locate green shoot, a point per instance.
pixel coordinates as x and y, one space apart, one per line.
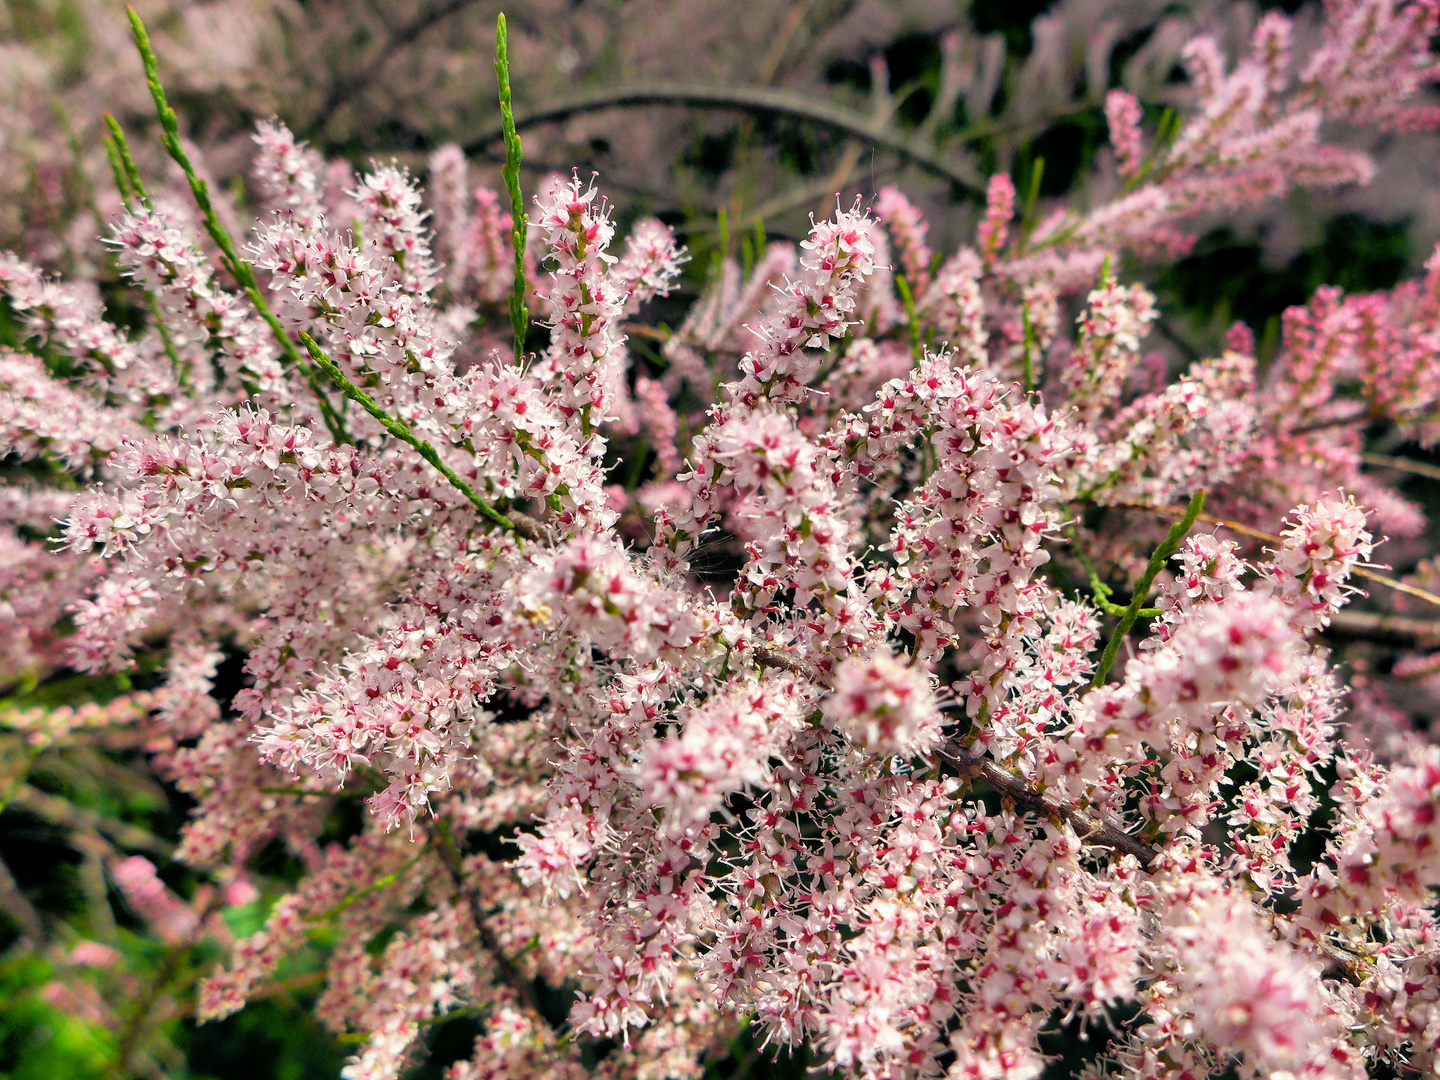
127 179
1027 358
126 162
240 270
400 430
519 317
1157 563
112 152
903 288
1027 219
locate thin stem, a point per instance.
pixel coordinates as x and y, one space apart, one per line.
176 364
345 87
1386 461
1101 591
797 198
239 269
519 317
903 288
1027 218
758 99
1257 534
1027 360
306 793
1090 826
127 179
401 431
369 890
1142 587
637 466
1163 132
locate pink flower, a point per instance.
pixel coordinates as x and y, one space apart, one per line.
1321 548
999 209
93 954
1122 112
884 706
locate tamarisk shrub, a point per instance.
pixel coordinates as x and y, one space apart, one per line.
815 711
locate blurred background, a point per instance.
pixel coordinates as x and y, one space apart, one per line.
719 117
764 110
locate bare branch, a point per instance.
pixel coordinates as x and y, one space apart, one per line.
1385 461
506 970
526 526
63 812
775 657
1383 626
347 86
1092 828
15 904
754 99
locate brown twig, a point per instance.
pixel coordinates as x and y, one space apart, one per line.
1383 626
654 333
1386 461
138 1022
1096 829
346 86
285 986
773 656
794 19
528 527
1363 416
804 195
508 972
91 872
63 812
15 904
1399 586
1343 962
1091 827
1343 420
757 99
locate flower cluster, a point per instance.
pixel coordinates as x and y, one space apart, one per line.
884 707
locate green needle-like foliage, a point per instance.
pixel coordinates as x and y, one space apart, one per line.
519 317
1157 562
